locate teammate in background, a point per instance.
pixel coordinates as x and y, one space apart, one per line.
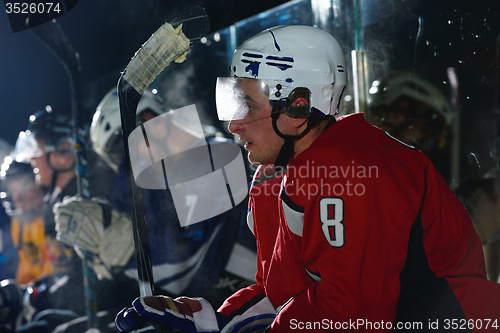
416 112
199 259
364 229
23 202
48 145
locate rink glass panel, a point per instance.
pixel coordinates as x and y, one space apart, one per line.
439 43
453 46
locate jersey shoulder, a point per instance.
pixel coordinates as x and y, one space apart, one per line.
352 138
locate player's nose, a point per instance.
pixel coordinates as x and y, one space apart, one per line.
235 126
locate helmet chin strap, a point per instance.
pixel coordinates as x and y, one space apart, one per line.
286 150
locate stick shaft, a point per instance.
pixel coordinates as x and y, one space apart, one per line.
167 44
129 99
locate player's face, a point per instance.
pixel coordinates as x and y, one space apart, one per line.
26 195
63 158
256 129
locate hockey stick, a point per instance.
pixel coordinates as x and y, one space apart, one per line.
55 40
165 45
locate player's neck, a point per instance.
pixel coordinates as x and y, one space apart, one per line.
304 142
64 178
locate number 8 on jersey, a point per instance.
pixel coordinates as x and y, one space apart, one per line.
331 212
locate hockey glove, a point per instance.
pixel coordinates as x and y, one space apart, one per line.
80 223
164 314
155 314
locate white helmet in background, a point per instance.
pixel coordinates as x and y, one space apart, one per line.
405 84
286 58
106 128
411 109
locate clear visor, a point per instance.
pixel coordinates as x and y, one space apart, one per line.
63 146
26 147
237 97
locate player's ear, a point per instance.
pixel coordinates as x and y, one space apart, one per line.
299 121
299 101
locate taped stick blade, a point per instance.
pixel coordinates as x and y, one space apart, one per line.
167 44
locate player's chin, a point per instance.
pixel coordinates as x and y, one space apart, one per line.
253 158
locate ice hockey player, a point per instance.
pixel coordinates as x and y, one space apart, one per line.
48 145
196 259
23 202
364 234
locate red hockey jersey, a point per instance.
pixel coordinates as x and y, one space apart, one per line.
366 235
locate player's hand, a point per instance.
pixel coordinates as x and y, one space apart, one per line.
164 314
129 321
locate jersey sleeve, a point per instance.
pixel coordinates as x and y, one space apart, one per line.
242 300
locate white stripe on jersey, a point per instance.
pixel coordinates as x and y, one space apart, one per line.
250 219
315 276
294 219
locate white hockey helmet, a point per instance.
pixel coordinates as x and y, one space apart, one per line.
405 84
411 109
286 58
106 128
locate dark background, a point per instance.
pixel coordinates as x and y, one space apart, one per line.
106 33
423 36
